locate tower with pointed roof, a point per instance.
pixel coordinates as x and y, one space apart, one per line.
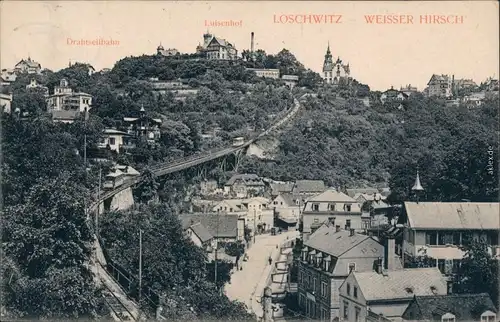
417 187
328 66
335 72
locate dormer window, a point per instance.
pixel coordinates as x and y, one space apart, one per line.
488 316
327 261
319 259
448 317
304 254
331 207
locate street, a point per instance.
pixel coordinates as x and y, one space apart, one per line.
248 284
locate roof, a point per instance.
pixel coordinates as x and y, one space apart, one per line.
276 188
236 204
438 78
288 199
133 119
113 131
114 174
465 307
202 232
65 115
401 284
309 186
331 195
353 192
251 179
379 204
217 224
453 215
328 240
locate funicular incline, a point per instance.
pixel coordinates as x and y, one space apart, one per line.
120 287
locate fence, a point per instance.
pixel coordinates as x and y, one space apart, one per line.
129 282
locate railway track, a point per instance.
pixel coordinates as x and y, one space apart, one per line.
119 310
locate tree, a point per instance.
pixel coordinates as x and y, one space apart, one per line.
478 271
223 272
148 188
48 239
172 264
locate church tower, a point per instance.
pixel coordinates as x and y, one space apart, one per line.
328 66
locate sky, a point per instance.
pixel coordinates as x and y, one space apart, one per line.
379 55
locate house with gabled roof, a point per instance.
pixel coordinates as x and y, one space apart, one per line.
438 229
452 308
217 48
256 212
244 185
287 209
327 205
387 292
326 260
28 66
440 85
223 228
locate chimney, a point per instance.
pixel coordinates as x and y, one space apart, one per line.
251 45
379 265
351 232
449 287
390 254
337 228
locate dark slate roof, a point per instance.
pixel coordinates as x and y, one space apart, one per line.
309 186
203 234
465 307
328 240
278 188
227 224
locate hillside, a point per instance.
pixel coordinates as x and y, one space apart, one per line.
348 144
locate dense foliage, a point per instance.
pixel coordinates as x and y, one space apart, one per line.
348 144
172 265
46 239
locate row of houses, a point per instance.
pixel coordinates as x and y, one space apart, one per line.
349 275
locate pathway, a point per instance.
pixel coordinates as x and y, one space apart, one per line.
247 285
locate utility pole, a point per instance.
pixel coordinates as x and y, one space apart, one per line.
254 226
216 248
140 269
98 203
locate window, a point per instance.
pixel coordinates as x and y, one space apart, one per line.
314 285
324 289
347 207
275 202
488 316
315 207
348 289
431 238
445 238
346 310
301 300
324 314
331 207
112 141
355 292
448 317
348 223
352 267
357 313
316 220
